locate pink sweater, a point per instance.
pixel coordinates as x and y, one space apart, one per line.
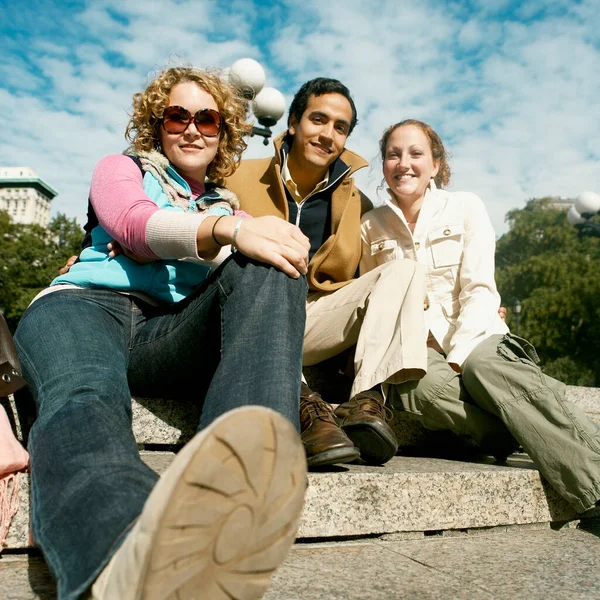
125 211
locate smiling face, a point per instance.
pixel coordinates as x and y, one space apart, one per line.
190 152
321 133
408 164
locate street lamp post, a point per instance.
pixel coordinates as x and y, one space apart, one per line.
267 103
518 308
587 205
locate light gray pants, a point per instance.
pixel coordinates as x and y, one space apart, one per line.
502 392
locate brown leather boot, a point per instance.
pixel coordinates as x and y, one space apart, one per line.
324 442
365 420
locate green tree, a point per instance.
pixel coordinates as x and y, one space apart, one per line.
553 271
30 257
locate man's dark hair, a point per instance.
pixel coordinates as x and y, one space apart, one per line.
319 87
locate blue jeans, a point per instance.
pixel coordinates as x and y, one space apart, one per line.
236 341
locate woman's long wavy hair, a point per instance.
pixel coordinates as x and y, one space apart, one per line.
439 153
143 129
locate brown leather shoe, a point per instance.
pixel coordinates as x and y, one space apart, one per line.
365 419
324 442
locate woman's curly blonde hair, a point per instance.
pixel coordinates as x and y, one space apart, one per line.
143 129
439 153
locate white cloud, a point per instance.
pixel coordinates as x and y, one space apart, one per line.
517 119
515 101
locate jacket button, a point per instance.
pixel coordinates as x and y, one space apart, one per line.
417 245
447 231
381 245
426 303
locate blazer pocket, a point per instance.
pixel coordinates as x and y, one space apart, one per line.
447 245
386 247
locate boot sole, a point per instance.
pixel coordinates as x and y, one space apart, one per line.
233 514
335 456
375 444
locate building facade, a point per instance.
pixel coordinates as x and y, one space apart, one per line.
561 203
25 196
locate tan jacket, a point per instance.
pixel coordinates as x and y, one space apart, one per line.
455 241
258 185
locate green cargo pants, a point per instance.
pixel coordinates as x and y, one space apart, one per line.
502 394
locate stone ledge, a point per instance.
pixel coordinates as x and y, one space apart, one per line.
428 494
169 422
538 564
157 421
407 494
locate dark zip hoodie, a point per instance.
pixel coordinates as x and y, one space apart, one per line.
313 216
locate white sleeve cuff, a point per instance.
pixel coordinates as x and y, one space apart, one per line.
172 234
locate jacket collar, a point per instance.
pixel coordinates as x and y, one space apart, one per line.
432 202
346 164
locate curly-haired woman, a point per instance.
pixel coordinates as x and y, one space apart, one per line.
224 328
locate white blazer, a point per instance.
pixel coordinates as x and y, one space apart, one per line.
455 241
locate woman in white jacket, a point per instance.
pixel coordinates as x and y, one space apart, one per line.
482 381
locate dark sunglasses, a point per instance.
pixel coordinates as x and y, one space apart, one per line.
177 119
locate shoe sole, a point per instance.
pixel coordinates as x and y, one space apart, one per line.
335 456
233 514
375 444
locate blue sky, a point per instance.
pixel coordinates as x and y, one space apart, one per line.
513 88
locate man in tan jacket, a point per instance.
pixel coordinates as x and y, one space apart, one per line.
309 183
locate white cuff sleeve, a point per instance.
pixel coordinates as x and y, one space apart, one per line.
172 234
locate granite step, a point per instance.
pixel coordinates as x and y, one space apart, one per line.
540 564
412 497
408 494
172 422
537 563
159 421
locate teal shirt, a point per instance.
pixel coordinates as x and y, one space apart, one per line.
165 280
